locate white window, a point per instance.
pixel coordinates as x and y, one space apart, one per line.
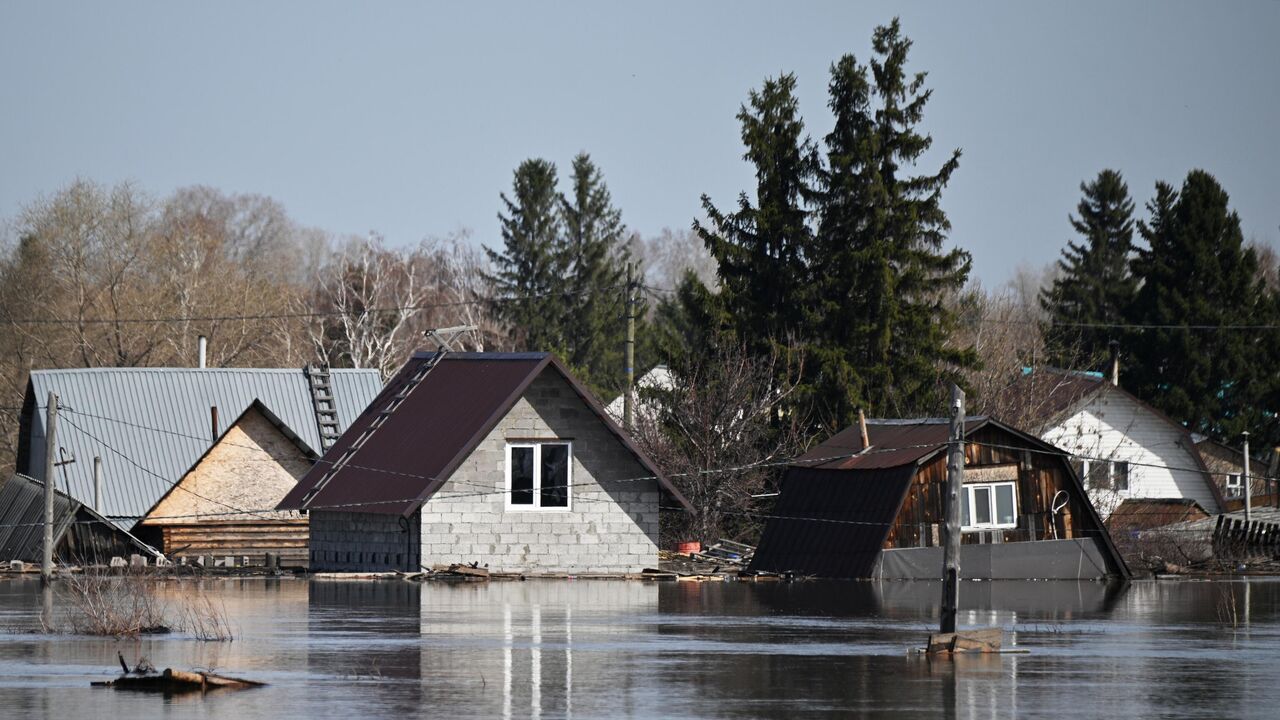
1120 476
1235 488
989 506
539 475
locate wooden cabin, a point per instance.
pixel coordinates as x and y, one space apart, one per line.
854 510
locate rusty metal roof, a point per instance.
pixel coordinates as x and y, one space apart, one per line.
434 429
894 443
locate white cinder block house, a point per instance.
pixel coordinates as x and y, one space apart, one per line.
1122 447
499 459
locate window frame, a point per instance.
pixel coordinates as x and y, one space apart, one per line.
967 499
536 505
1234 487
1116 475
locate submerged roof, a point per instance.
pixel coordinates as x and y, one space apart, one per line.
434 429
149 425
22 519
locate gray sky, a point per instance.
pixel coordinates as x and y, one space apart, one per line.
409 118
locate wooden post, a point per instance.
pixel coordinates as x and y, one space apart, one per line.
955 483
628 399
1248 482
50 447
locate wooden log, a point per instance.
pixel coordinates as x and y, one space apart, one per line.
984 640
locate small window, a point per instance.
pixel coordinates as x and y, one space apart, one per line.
1120 476
1235 488
989 506
539 475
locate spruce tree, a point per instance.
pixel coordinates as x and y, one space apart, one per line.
1198 280
593 242
528 273
1096 285
761 249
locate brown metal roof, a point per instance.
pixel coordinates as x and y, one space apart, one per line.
433 430
1147 513
894 443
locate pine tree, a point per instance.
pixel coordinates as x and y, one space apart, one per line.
761 249
528 277
1198 279
593 241
1096 285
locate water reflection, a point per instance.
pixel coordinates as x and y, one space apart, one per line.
566 649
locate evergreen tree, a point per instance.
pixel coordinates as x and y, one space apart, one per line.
1198 279
528 276
593 243
1096 285
761 249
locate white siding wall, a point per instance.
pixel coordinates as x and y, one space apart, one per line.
1113 426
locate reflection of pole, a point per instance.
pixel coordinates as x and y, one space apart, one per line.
50 444
1248 483
955 482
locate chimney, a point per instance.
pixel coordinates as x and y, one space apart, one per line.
862 427
213 417
1115 362
204 349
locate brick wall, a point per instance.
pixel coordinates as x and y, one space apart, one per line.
612 525
363 542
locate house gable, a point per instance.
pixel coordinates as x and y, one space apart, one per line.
250 467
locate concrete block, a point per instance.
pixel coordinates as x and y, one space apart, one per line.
137 561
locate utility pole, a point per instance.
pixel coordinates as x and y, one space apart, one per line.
50 443
1248 482
97 484
629 396
955 483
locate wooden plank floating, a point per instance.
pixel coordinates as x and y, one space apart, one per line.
178 681
985 640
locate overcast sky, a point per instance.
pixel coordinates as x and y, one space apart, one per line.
408 118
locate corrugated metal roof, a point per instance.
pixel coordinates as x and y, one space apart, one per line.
156 422
22 517
893 443
437 425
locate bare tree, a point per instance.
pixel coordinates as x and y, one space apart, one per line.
721 432
668 255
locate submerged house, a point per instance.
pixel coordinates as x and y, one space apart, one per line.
499 459
175 444
80 535
1226 466
1122 447
851 508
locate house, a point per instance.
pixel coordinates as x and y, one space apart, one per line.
500 459
252 466
656 380
871 505
1226 467
153 432
1123 448
80 535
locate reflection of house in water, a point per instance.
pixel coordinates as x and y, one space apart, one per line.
855 508
540 648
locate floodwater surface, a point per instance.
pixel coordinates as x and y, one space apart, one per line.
604 649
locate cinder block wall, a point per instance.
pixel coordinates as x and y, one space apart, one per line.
363 542
612 526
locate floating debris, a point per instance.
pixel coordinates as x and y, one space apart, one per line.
177 681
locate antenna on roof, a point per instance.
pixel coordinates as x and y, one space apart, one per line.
445 337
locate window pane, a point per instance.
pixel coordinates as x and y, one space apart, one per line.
982 506
521 476
1121 475
555 476
964 507
1005 507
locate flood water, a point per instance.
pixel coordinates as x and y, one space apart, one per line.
588 649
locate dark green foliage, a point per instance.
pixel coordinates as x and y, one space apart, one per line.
528 277
761 250
1198 272
1096 285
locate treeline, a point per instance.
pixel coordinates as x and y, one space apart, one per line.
1192 306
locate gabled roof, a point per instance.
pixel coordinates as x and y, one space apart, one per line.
149 425
894 443
454 407
22 519
258 406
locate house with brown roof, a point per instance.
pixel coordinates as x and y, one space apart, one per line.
875 508
1122 447
500 459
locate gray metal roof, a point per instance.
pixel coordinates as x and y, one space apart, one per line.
22 517
149 425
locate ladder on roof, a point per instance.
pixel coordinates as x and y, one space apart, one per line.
320 383
444 338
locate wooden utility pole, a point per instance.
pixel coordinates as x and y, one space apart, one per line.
955 485
629 396
50 447
1248 484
